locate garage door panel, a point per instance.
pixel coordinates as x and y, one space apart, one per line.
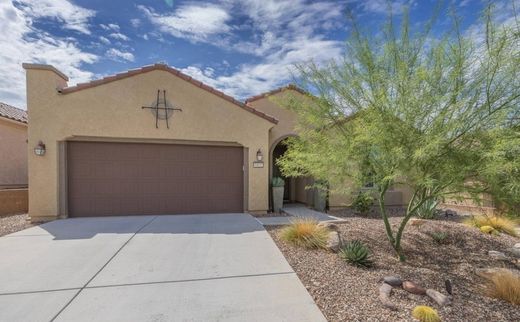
135 178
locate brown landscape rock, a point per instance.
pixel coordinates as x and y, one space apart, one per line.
329 225
497 255
333 241
384 295
417 222
394 281
438 297
413 288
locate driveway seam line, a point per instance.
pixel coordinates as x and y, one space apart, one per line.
102 267
41 291
148 283
189 280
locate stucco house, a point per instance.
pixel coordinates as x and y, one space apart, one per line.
13 159
153 141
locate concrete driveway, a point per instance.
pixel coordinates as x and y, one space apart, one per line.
221 267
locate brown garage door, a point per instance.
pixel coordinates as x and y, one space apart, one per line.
135 178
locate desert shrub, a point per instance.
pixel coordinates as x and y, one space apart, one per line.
306 233
428 210
504 285
356 253
363 202
440 237
425 314
502 224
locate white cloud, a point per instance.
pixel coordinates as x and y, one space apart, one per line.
119 36
104 40
135 22
110 26
72 16
383 6
280 33
25 43
276 70
196 22
119 55
113 26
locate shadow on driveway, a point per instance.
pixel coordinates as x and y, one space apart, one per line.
85 228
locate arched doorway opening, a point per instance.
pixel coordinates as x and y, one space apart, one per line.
295 187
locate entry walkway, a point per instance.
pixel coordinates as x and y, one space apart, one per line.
295 211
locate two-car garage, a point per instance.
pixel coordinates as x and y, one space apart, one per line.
113 178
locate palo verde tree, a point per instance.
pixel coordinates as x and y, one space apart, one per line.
411 109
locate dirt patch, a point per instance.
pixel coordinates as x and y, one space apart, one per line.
347 293
14 223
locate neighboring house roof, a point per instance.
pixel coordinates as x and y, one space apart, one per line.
173 71
13 113
275 91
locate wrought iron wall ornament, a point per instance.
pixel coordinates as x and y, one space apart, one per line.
162 109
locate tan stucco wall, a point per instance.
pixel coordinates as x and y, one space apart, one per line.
286 118
13 154
113 111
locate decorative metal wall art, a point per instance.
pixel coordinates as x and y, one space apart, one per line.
162 109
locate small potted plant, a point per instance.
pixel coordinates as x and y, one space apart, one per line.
278 186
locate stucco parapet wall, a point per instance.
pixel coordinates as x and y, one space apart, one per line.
163 67
45 67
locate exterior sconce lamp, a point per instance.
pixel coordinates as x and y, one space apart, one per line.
259 163
259 155
39 150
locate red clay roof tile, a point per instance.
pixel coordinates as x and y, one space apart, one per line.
13 113
275 91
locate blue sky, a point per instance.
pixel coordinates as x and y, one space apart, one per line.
242 47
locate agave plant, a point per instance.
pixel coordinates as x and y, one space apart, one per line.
428 209
356 253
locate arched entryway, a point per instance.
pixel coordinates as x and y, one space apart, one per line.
295 187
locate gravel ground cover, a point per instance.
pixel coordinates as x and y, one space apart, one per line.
13 223
347 293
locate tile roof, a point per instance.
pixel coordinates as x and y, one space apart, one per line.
275 91
173 71
13 113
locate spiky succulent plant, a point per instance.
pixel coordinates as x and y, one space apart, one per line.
356 253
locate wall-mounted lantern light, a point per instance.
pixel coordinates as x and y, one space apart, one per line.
259 155
39 149
259 163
